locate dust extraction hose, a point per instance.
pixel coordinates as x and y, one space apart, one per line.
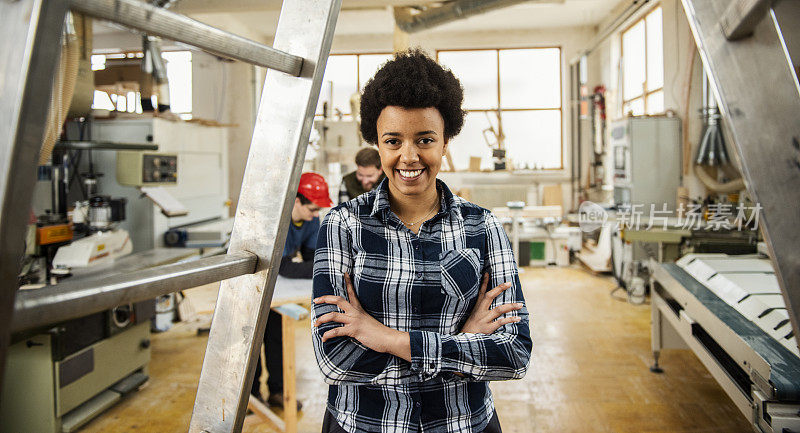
710 183
63 88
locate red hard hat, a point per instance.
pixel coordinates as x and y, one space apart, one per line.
314 188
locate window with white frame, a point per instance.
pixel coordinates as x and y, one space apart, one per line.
179 76
524 86
345 75
643 66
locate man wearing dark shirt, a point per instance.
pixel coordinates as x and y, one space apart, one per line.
312 195
368 174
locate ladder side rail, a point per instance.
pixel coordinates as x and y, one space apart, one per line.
269 188
49 305
161 22
757 89
30 48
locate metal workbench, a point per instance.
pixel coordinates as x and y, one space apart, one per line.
758 373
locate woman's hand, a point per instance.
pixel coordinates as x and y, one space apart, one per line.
482 319
361 326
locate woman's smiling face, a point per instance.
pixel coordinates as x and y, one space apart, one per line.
411 144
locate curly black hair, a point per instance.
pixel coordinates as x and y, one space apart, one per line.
412 80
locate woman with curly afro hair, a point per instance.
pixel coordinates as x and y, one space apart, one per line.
417 299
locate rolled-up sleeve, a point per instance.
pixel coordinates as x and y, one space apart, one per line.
502 355
345 359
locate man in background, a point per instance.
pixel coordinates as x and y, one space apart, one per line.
297 262
367 176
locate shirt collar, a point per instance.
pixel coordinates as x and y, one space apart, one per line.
449 204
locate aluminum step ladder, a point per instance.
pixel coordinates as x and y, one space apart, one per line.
30 48
751 53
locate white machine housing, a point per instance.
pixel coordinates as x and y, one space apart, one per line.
202 185
646 156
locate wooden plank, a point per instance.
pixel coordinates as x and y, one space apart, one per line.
265 413
289 378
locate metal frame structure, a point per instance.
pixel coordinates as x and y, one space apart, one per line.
160 22
30 42
277 152
30 45
755 80
71 300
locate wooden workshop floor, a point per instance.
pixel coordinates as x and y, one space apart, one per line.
589 373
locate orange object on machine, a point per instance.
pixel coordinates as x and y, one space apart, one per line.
53 234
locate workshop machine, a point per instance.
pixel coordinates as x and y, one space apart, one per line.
92 213
730 312
59 378
185 173
666 241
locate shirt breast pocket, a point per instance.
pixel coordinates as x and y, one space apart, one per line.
369 276
461 273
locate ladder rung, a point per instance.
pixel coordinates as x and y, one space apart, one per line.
70 300
104 145
160 22
742 16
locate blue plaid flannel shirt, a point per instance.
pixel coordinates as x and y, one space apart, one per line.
427 285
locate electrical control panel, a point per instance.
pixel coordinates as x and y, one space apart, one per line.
646 161
147 169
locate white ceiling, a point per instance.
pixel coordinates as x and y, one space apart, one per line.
258 18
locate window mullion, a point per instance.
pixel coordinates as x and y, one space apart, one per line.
497 57
646 58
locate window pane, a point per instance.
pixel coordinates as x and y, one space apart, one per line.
368 64
655 50
533 138
655 102
179 74
341 71
477 71
633 61
530 78
633 108
470 142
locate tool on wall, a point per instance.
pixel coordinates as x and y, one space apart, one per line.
496 140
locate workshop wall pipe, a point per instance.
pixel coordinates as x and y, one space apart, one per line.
436 16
